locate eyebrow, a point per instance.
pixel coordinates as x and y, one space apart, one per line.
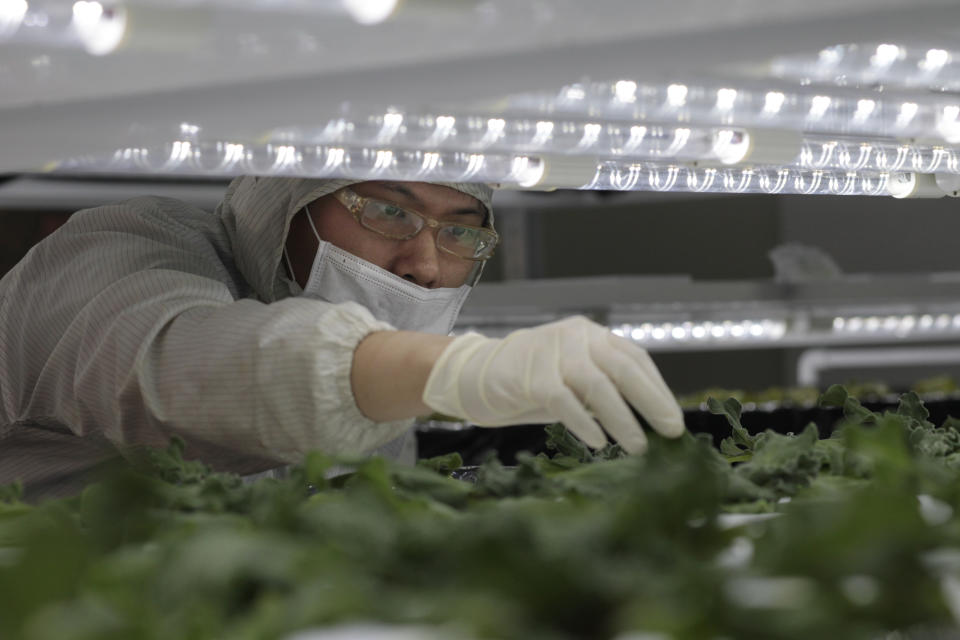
415 199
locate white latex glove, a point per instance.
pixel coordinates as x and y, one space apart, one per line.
555 372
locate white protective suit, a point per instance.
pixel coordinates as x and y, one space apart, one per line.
151 318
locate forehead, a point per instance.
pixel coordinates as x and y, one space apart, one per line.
422 195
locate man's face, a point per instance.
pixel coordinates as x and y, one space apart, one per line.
417 259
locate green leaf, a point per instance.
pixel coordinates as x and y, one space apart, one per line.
912 406
562 440
731 410
444 465
834 396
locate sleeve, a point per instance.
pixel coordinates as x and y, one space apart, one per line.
138 335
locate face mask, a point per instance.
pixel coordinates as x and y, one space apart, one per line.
339 276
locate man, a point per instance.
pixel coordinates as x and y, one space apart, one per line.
297 316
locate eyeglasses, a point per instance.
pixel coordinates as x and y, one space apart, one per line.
387 219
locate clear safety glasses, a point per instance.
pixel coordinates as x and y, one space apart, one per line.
387 219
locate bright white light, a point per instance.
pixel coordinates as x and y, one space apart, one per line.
819 106
187 129
335 157
626 91
574 92
591 133
286 156
370 11
658 333
543 134
11 16
390 128
948 125
444 128
677 95
731 146
776 329
678 333
773 102
431 160
85 12
830 56
943 321
699 332
890 323
907 323
681 136
476 163
737 331
935 60
926 321
839 323
637 134
725 99
619 332
956 321
756 330
495 127
101 30
526 171
384 159
872 323
865 107
886 55
907 111
718 331
855 324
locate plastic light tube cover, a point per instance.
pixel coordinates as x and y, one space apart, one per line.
506 134
97 27
871 64
651 333
623 176
831 111
897 325
822 152
186 157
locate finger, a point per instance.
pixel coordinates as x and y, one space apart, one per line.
640 356
565 406
660 409
611 410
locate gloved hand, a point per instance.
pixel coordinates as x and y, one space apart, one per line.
555 372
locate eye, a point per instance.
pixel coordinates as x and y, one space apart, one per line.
393 211
463 234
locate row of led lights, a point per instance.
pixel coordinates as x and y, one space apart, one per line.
647 141
620 176
727 330
100 28
225 159
896 324
883 63
811 108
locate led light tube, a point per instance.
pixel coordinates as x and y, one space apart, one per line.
897 325
559 136
832 111
623 176
749 330
186 157
822 152
654 142
96 27
872 64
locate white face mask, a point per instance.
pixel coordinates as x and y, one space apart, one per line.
338 276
